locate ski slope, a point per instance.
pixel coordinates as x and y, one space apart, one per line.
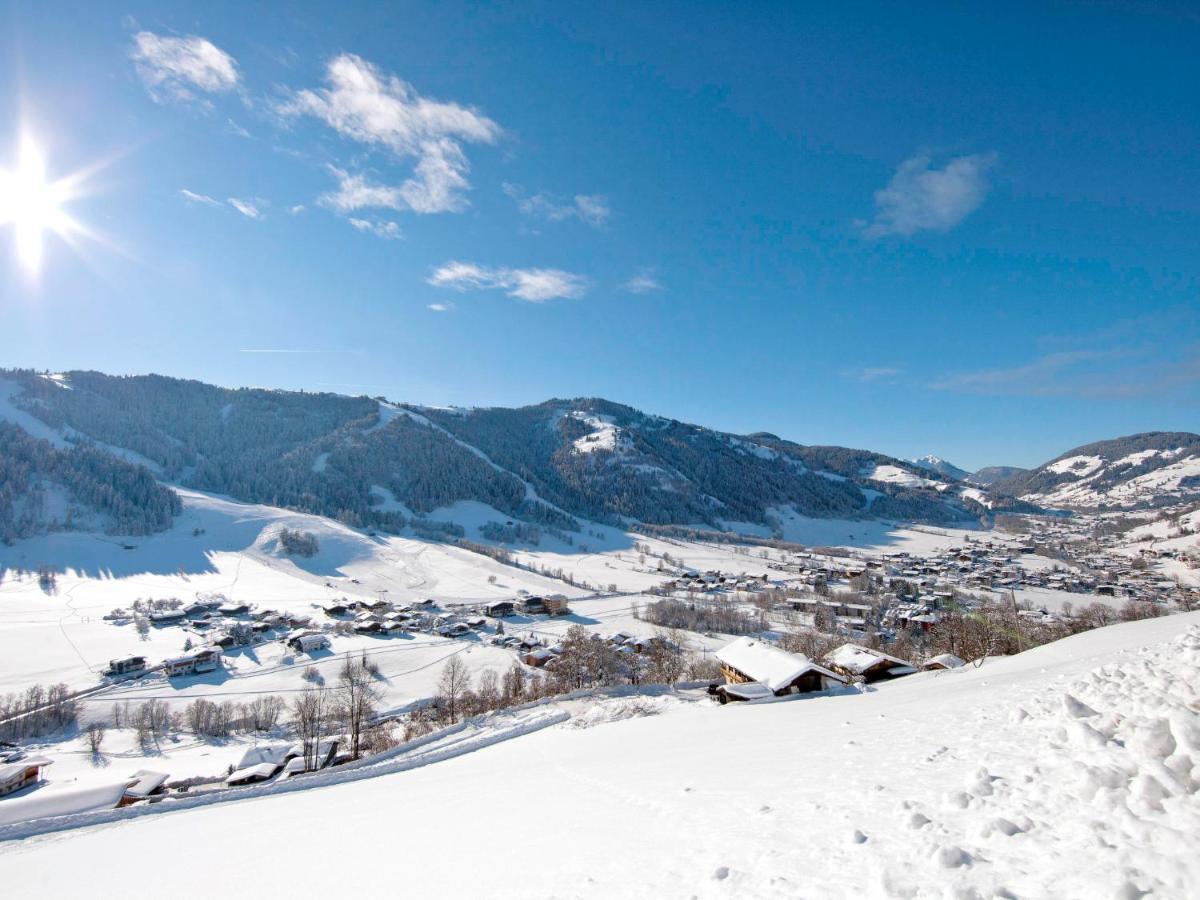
1067 771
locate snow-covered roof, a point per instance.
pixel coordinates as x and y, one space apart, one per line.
276 754
49 802
945 661
262 770
145 783
855 659
768 664
8 770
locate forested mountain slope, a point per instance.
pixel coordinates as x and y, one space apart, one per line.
374 464
44 487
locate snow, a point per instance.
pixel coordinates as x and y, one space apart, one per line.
9 412
1066 771
1076 465
605 434
896 475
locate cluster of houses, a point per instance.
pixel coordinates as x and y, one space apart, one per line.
755 669
536 652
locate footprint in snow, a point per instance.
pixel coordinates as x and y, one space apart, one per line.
952 857
858 837
918 820
722 873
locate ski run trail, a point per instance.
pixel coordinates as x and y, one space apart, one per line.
1071 770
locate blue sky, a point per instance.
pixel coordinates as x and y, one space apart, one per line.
912 228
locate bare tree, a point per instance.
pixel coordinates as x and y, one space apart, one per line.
356 699
455 682
95 737
310 712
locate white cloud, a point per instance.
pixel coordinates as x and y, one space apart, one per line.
440 307
177 67
644 281
246 208
204 199
532 285
355 192
593 209
919 198
874 373
367 105
386 230
297 209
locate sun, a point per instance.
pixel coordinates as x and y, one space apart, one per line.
33 206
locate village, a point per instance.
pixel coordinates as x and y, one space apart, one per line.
779 622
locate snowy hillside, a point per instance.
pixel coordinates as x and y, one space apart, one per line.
1066 771
1142 470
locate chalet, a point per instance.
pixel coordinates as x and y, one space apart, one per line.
129 665
145 785
853 660
233 609
308 643
337 608
167 616
943 661
538 658
556 606
533 605
195 663
498 608
753 660
15 776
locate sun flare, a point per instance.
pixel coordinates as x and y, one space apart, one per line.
33 205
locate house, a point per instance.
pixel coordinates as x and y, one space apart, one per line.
143 786
195 663
537 658
533 605
337 608
129 665
15 776
753 660
943 661
556 606
167 616
233 609
853 660
498 608
308 643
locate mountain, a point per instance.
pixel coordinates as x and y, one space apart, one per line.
370 463
989 475
939 465
1152 469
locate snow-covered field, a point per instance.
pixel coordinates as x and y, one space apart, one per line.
1068 771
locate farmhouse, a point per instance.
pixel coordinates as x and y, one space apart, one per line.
253 774
498 608
128 665
308 643
870 665
17 775
198 662
752 660
167 616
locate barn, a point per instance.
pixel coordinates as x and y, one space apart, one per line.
753 660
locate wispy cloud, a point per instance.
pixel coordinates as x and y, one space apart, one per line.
246 208
592 209
382 229
203 199
531 285
177 67
440 307
282 350
355 192
643 281
920 198
367 105
870 374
